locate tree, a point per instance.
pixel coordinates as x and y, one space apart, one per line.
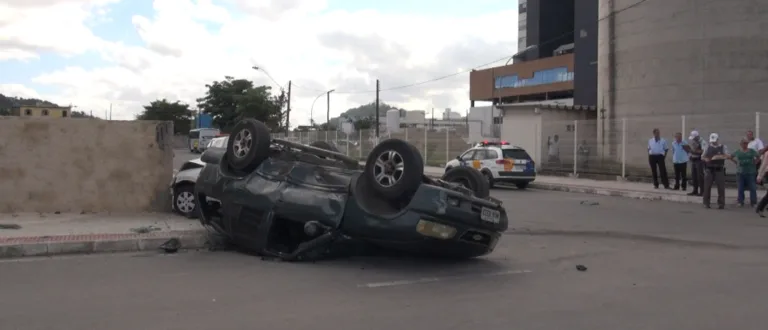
232 99
363 123
177 112
81 114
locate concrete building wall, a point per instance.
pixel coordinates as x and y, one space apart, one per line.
585 57
675 57
77 165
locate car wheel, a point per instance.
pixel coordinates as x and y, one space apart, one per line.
248 145
184 201
489 177
521 185
395 168
470 178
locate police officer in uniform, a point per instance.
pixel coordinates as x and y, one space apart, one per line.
714 170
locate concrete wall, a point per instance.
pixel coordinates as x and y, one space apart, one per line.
680 57
75 165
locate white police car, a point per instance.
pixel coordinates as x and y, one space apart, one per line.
499 162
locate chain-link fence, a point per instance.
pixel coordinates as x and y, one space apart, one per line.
597 146
437 146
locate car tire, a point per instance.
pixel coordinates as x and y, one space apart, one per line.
184 200
521 185
470 178
248 145
489 177
395 169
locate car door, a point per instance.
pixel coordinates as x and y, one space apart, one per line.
489 160
466 159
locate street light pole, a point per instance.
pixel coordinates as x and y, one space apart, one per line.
282 90
328 113
311 108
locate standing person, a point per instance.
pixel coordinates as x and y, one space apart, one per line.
756 145
697 167
657 154
746 158
680 151
554 149
759 179
714 162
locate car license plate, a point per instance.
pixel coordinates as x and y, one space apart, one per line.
489 215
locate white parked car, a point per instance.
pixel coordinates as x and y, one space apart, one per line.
183 184
499 162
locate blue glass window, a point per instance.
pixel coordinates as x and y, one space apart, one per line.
541 77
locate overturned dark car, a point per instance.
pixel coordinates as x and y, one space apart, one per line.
290 201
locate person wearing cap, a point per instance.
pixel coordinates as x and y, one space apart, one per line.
714 173
746 159
680 150
657 153
696 148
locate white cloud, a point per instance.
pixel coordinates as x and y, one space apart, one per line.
46 25
191 43
18 90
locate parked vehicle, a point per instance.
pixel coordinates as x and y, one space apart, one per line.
182 186
291 201
199 138
498 162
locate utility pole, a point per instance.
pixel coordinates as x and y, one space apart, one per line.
288 111
327 114
377 109
110 111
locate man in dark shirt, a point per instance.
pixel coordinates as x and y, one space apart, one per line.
697 167
714 159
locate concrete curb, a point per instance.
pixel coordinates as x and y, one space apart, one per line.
17 247
617 193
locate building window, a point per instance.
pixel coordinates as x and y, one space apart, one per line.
498 120
64 113
45 112
541 77
27 112
522 8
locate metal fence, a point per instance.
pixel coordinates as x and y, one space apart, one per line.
620 146
598 146
437 146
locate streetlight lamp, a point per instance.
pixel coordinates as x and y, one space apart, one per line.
288 102
311 109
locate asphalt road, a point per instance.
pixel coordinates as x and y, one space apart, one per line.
651 265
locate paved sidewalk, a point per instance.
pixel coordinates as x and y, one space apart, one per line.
614 188
23 235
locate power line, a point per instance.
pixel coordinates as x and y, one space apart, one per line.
551 40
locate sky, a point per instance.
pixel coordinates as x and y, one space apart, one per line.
96 53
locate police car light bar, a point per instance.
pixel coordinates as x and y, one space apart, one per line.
490 143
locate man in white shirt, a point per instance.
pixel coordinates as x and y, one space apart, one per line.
755 143
657 154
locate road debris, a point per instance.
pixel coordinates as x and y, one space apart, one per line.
9 226
589 203
145 229
581 268
171 246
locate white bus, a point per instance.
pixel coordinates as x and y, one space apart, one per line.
199 138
